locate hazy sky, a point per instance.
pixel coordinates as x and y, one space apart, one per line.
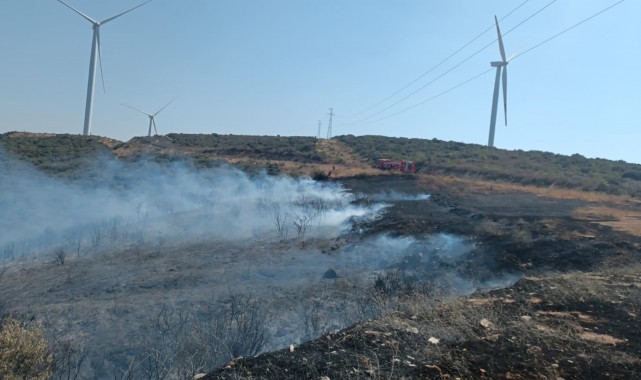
276 67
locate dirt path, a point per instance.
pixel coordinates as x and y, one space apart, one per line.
344 162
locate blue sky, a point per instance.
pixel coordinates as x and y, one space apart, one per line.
276 67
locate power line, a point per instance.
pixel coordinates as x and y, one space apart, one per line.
568 29
487 71
435 96
451 69
441 62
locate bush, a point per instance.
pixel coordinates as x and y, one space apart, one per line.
320 175
24 352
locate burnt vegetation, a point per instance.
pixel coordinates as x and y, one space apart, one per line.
571 307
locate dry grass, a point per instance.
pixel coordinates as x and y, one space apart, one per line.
305 169
624 220
479 186
338 153
600 338
622 213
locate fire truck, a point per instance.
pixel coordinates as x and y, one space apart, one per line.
403 166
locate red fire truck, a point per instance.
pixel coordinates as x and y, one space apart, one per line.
403 166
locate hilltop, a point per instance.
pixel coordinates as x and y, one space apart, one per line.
548 285
352 155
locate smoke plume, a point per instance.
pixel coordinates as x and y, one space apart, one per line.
123 203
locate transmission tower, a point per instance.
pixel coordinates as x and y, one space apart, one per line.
319 130
329 126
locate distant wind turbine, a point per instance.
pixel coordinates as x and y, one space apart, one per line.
500 65
152 120
95 52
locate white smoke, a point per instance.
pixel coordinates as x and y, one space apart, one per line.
452 263
120 203
394 196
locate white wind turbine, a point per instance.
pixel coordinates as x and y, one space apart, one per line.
152 116
95 52
500 66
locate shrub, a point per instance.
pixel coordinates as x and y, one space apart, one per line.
320 175
24 352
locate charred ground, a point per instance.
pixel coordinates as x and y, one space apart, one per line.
567 226
574 314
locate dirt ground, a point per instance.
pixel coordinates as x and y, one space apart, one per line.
575 312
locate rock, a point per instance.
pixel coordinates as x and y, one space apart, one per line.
330 274
486 323
433 340
292 348
493 338
412 330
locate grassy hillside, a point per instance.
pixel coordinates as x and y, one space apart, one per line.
58 154
527 168
289 148
62 154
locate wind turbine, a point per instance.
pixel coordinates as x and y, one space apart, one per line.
95 52
152 120
500 66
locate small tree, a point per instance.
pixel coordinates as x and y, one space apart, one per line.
24 352
60 256
301 222
280 221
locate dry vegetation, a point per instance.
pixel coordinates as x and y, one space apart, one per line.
24 351
549 325
620 212
617 216
542 169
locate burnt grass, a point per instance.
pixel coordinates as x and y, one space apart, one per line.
575 312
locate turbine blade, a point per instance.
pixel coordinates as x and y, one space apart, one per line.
166 105
498 31
505 93
102 76
154 122
120 14
78 12
136 109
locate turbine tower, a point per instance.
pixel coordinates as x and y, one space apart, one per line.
152 120
500 66
95 53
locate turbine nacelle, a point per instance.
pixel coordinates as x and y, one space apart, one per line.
498 64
